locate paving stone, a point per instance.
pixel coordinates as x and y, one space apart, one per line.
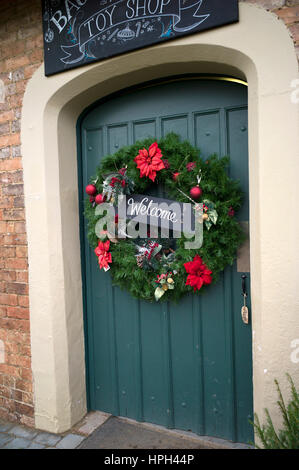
47 439
18 443
26 433
5 427
35 445
71 441
91 422
4 439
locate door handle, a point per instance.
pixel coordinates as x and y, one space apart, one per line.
244 309
244 277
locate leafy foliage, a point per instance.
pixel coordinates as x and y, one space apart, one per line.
220 243
288 437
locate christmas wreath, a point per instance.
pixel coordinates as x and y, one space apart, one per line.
163 269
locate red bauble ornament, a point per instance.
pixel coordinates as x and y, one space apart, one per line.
99 199
175 176
91 189
195 192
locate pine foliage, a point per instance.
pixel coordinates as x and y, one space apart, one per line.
288 436
220 243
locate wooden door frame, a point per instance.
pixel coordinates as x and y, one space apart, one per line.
51 108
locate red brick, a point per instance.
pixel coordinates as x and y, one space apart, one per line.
23 300
295 32
25 349
16 62
6 116
11 348
13 139
13 164
3 334
13 214
8 299
15 239
26 374
19 202
16 263
289 15
7 252
18 360
21 251
18 312
6 202
16 395
9 370
21 276
30 69
3 312
24 409
24 386
16 100
9 381
17 337
15 324
13 189
30 422
19 227
3 227
5 392
7 275
27 398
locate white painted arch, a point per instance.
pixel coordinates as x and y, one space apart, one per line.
257 49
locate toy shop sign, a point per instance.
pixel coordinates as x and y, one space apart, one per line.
78 32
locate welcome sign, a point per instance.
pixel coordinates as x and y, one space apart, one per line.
159 212
78 32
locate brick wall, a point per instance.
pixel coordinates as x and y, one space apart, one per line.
21 53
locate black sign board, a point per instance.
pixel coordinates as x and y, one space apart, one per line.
78 32
164 213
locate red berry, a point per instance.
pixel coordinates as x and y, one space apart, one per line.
195 192
91 189
99 199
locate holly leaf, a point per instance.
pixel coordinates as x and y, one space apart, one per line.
208 224
213 216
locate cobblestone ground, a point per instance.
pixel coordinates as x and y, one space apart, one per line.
14 436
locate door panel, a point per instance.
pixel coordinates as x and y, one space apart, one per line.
185 366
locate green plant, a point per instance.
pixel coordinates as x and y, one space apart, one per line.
288 436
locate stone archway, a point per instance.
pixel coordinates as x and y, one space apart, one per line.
50 112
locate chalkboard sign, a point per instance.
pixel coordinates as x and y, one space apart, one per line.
158 212
78 32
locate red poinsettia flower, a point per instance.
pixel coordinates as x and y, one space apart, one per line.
231 212
102 252
114 181
166 164
190 166
149 162
198 272
122 171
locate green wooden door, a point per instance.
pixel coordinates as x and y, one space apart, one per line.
185 366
